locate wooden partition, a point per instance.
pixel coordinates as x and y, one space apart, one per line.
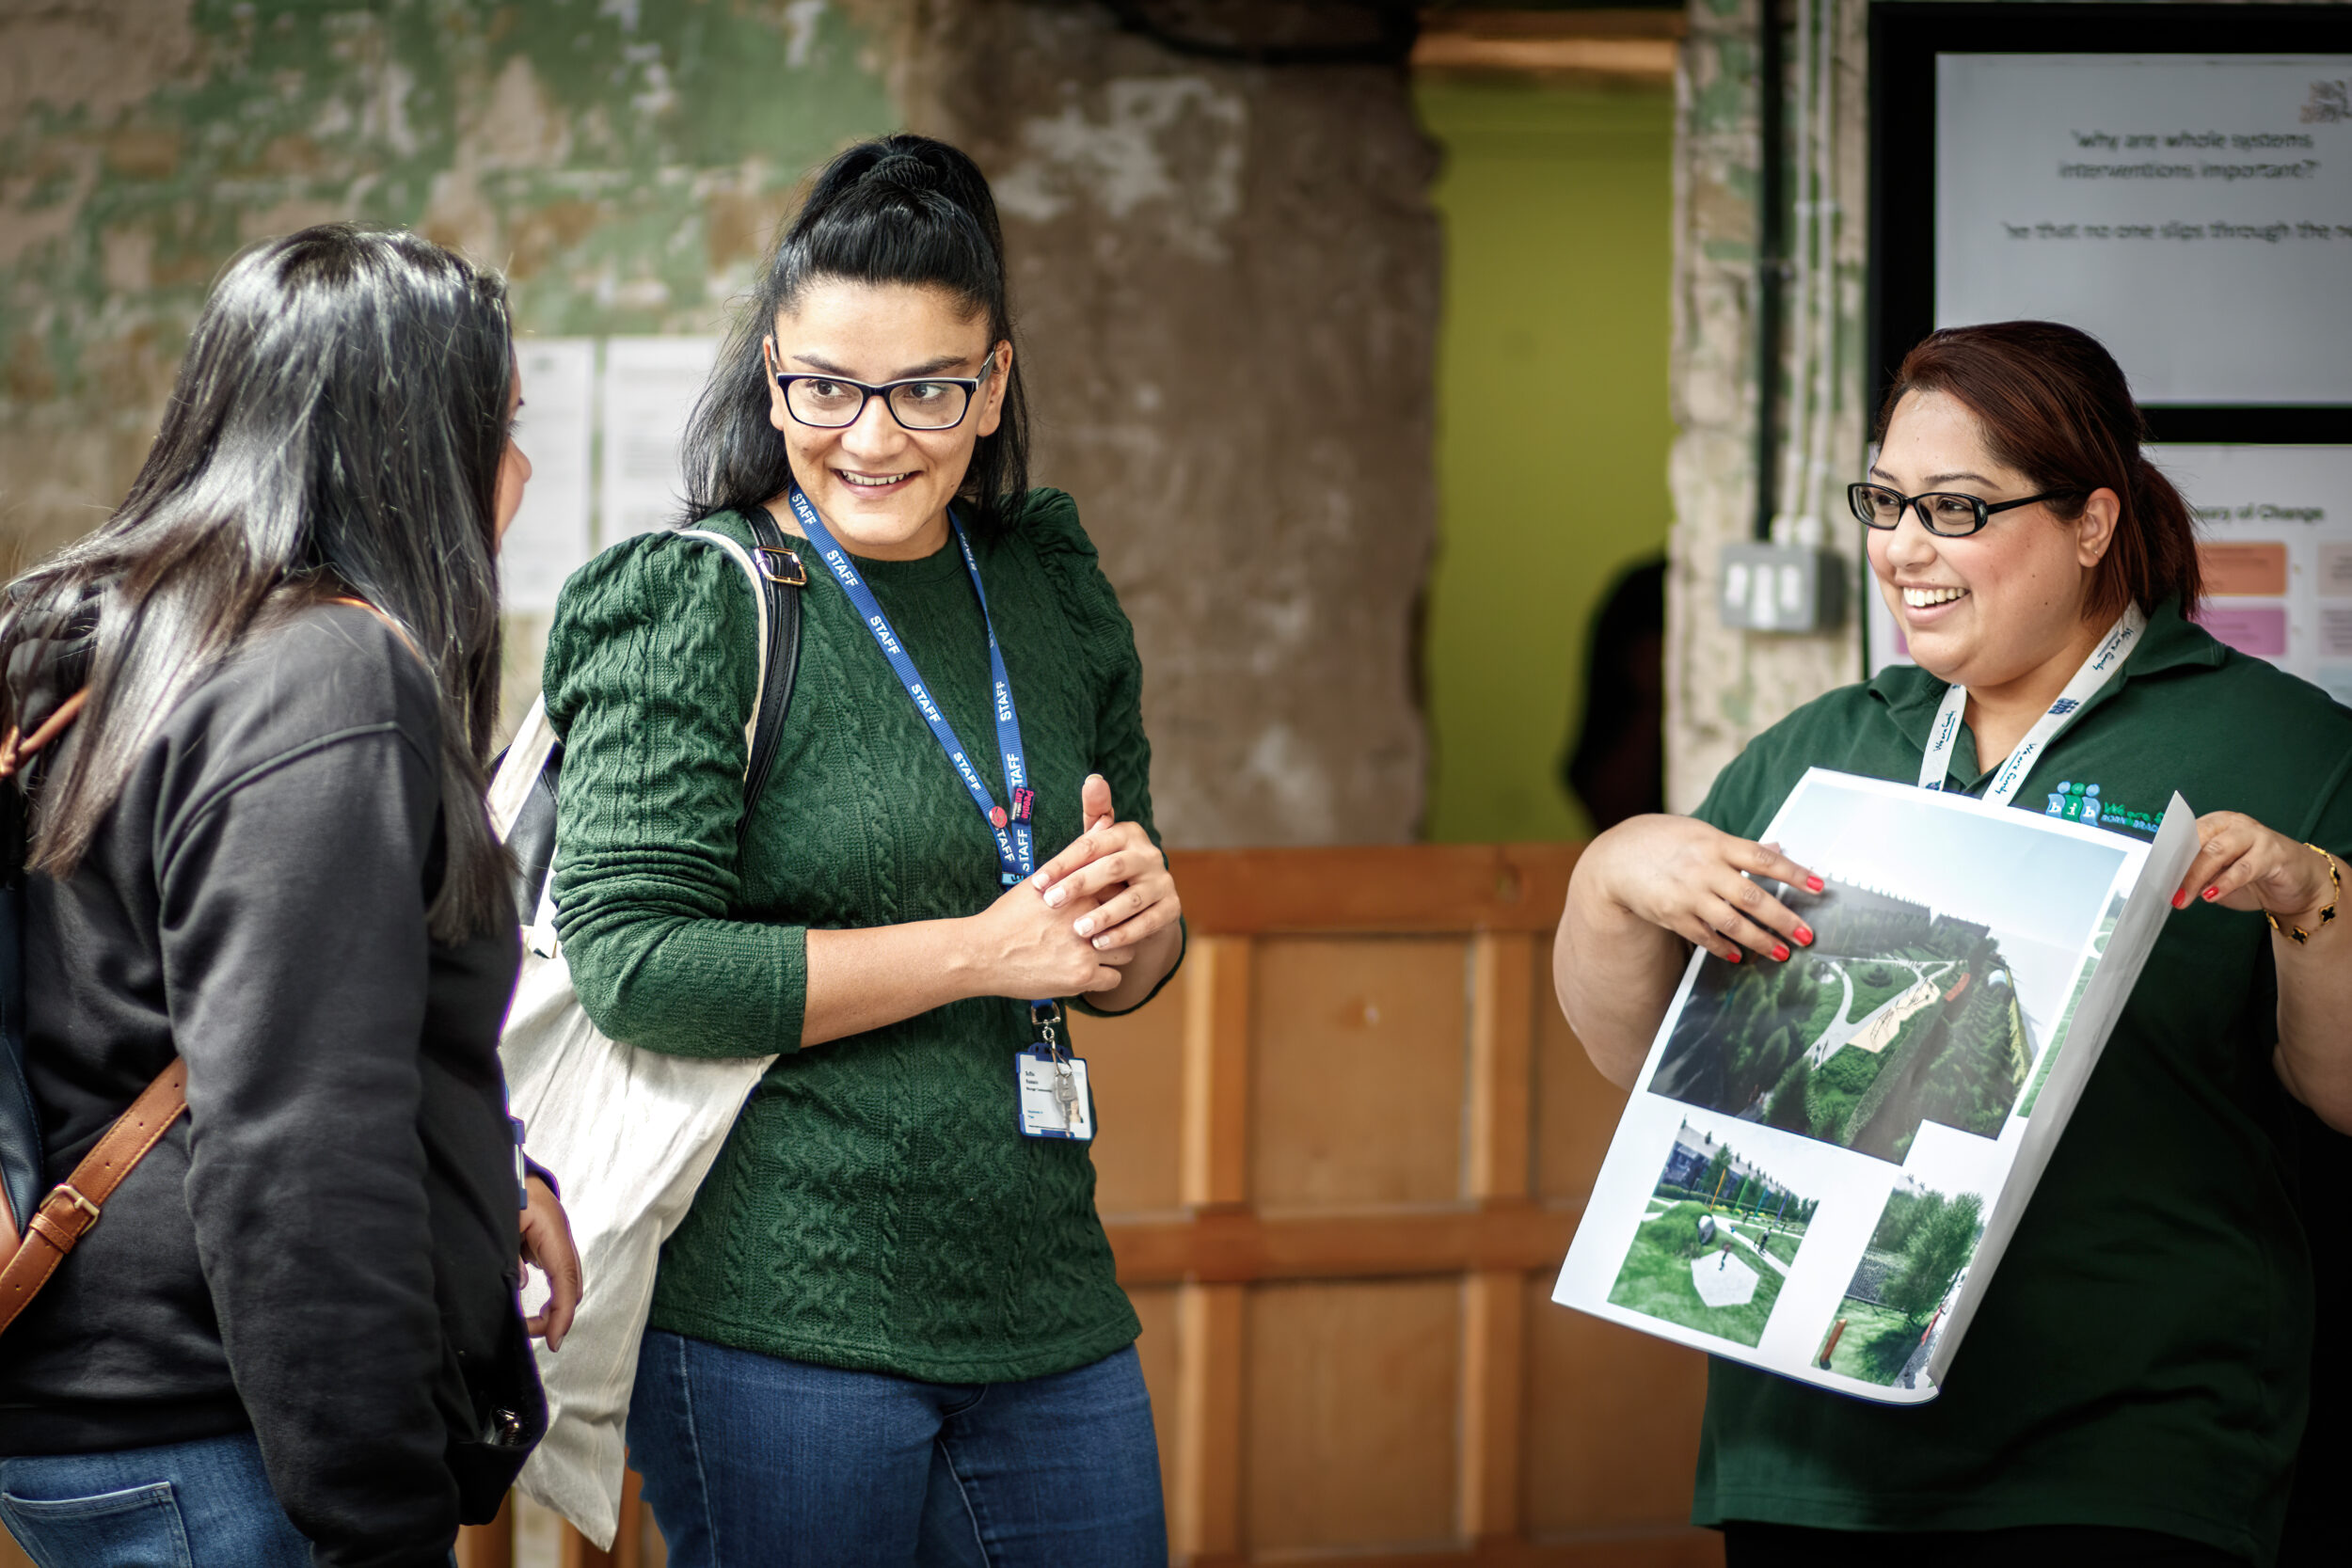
1342 1242
1340 1163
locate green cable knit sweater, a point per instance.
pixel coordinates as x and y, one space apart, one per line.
875 1206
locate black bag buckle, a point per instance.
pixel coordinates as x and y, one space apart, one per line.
782 565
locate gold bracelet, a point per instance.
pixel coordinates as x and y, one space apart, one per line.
2335 879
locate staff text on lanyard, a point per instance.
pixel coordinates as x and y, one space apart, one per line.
1054 1097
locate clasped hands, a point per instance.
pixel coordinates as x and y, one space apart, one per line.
1072 927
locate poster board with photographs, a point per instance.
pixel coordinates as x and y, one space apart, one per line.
1823 1158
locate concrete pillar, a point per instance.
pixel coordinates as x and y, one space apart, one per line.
1724 687
1227 280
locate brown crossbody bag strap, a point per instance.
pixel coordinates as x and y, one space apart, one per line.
74 1206
28 1258
66 1215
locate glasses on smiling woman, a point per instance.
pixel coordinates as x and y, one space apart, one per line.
919 402
1946 514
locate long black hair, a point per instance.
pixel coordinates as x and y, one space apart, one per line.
900 209
337 428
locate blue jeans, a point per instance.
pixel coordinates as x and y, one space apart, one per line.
205 1504
752 1461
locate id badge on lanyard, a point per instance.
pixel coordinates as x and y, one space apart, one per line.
1054 1100
1052 1083
2105 663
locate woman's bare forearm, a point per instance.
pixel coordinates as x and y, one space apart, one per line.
1019 946
1615 975
1643 893
868 977
2314 1055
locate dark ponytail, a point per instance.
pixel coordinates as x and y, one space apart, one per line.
902 208
2053 405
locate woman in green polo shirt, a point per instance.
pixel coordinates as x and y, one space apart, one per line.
889 1330
2133 1387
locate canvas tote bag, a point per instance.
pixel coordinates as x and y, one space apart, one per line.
629 1133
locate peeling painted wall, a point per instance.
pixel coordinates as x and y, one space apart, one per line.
1227 280
623 162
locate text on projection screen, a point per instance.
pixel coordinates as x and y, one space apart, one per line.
2193 213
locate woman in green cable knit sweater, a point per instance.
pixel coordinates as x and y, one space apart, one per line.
889 1330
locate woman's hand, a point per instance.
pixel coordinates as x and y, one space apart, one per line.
1112 878
1681 875
1022 946
1639 892
546 1244
2241 864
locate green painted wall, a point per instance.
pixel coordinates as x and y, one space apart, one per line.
622 160
1552 425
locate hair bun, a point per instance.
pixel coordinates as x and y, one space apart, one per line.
903 169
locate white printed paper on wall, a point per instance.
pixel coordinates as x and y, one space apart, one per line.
549 536
1823 1160
650 385
2193 213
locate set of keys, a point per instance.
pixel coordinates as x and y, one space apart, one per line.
1055 1101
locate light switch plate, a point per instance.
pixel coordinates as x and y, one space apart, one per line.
1786 587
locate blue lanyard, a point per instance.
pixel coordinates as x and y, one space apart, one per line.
1016 852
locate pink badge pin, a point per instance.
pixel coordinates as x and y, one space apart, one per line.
996 816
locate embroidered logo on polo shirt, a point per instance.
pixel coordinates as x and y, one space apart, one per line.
2082 802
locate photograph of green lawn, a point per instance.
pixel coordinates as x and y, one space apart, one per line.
1906 1007
1885 1329
1717 1239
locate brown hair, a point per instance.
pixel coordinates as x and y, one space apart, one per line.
2053 405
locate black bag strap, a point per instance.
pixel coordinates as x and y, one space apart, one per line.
781 578
526 817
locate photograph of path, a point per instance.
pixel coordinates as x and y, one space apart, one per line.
1886 1328
1717 1239
1943 943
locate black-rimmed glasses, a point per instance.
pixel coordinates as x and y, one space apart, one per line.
1946 514
920 403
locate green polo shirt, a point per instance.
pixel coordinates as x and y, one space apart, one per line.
2141 1356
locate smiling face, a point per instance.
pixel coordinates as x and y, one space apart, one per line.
2004 607
883 489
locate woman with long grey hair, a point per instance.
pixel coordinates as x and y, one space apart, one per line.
259 850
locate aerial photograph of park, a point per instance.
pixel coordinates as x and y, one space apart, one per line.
1718 1237
1945 946
1884 1330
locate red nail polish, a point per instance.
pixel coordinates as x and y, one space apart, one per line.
2180 899
1813 884
1780 954
1733 957
2212 894
1804 936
